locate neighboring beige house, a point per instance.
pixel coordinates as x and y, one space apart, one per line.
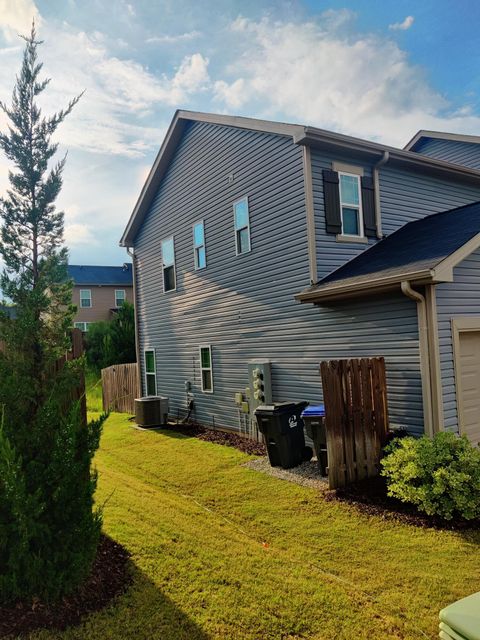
99 291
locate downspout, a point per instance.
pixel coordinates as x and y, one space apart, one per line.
376 189
135 315
424 347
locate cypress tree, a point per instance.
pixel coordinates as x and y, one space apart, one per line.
49 527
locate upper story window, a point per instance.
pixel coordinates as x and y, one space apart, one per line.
85 298
168 265
351 204
199 245
119 297
242 226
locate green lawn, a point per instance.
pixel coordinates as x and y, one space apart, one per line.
196 523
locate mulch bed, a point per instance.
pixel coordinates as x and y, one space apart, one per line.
109 578
246 445
370 497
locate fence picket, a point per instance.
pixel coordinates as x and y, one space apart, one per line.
119 387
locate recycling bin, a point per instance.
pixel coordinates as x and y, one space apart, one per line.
282 427
314 419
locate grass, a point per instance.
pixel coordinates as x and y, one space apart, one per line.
93 386
223 552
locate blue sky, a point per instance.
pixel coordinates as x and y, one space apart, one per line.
375 69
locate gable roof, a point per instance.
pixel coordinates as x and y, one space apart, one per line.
424 251
100 275
439 135
300 134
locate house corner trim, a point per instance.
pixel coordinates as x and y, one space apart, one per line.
310 211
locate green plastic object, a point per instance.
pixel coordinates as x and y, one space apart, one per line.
463 618
446 633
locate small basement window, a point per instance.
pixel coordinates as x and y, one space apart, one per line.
168 264
199 245
85 298
242 226
150 373
119 297
83 326
206 368
351 204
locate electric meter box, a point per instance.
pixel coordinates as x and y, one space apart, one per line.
260 383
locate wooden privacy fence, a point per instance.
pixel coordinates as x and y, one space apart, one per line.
356 417
120 387
76 351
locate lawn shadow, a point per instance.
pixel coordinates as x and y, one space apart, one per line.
143 612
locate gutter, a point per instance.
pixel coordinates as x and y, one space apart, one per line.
424 345
376 186
131 253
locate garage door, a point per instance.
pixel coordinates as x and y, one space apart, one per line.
469 396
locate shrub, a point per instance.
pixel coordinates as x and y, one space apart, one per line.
439 475
112 342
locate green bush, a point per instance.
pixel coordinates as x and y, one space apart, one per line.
440 475
108 343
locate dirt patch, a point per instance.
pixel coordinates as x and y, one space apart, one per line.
246 445
370 497
109 578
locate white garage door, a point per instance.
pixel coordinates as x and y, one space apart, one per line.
469 396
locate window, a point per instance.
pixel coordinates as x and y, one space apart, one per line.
85 298
242 226
83 326
168 264
119 297
351 204
199 245
206 368
150 373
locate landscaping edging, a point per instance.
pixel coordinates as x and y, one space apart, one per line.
226 438
109 578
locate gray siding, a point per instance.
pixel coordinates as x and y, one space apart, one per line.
458 298
244 306
464 153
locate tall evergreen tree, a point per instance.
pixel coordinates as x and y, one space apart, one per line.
49 528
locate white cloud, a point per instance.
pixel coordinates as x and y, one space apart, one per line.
173 39
402 26
324 73
191 76
79 234
16 17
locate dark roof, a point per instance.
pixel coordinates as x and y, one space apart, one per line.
100 275
416 248
9 310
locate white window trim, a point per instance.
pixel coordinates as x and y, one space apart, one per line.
154 374
195 247
174 265
237 252
361 227
85 325
89 297
124 296
202 369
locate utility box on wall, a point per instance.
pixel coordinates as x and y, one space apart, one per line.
260 383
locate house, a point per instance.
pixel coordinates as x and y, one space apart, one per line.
99 291
263 248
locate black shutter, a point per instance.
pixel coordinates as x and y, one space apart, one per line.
331 195
368 205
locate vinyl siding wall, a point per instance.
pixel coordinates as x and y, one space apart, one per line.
458 298
244 306
465 153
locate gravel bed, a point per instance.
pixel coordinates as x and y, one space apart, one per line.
306 474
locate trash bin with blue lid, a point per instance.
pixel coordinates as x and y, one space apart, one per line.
282 427
314 418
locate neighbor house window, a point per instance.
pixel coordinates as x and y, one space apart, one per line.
119 297
199 245
83 326
351 204
150 373
242 226
168 264
85 298
206 368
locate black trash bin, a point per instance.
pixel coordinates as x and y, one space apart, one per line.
314 418
282 426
